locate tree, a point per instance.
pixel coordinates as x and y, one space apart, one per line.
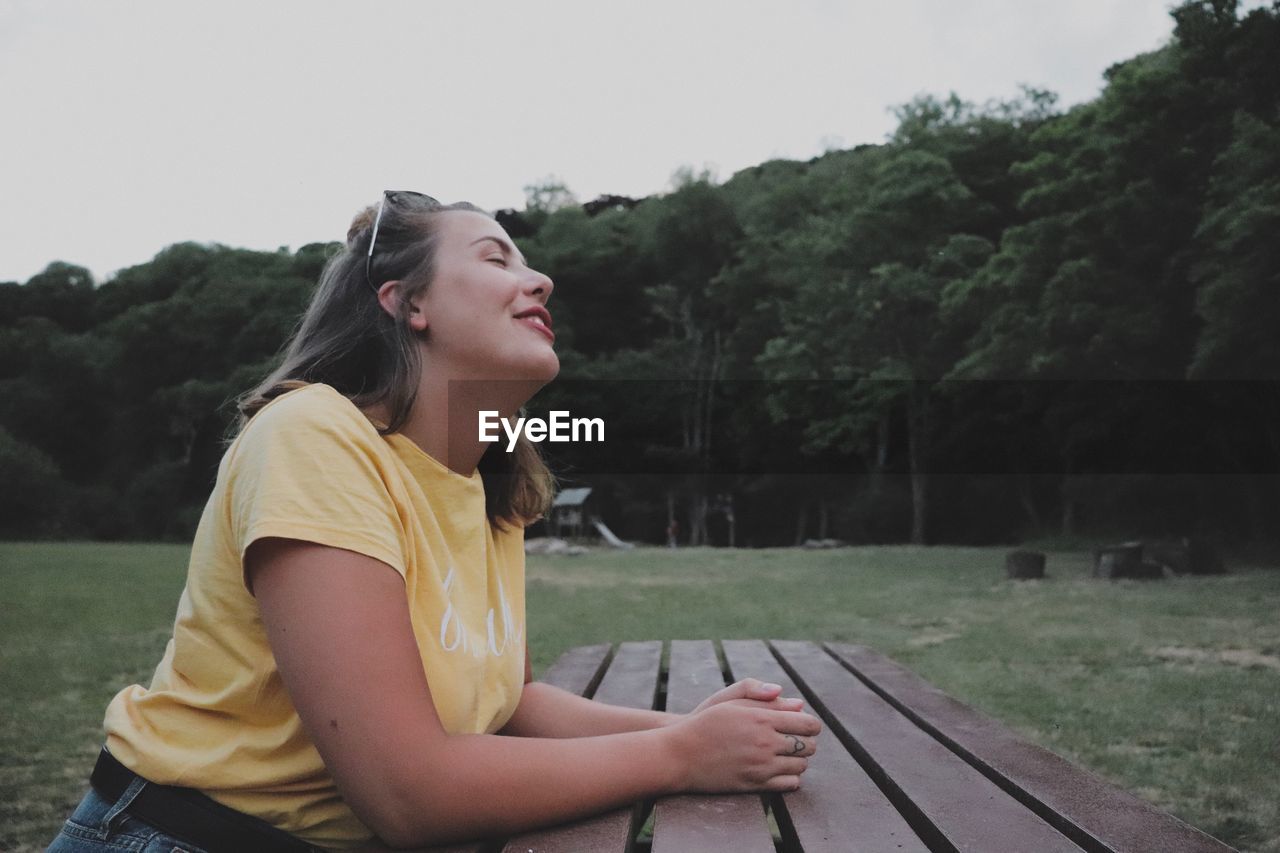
543 198
690 234
869 316
63 293
1101 279
31 500
1237 273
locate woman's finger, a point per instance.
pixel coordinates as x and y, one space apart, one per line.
745 690
753 688
782 784
797 745
795 723
778 704
789 766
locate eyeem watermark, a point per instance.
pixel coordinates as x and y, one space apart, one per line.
559 427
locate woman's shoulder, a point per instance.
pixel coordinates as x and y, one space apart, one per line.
314 409
313 400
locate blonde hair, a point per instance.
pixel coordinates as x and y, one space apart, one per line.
346 340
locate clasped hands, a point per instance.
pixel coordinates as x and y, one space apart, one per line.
750 691
750 737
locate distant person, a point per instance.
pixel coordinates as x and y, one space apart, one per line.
349 656
673 533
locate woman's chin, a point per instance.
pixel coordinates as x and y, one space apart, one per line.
545 367
541 368
553 366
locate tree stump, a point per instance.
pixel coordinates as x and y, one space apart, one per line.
1150 571
1203 558
1173 555
1124 561
1024 565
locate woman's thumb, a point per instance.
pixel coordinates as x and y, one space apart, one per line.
763 690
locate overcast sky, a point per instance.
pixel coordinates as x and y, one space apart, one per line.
133 124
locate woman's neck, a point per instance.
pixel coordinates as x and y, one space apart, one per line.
444 419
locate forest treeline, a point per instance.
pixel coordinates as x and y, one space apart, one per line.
1009 320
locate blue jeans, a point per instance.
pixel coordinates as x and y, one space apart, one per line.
98 825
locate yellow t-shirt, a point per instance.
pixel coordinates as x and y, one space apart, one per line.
310 466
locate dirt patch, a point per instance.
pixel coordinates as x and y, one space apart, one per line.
1234 657
931 638
925 624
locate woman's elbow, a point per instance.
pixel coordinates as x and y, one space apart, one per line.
414 812
414 832
405 828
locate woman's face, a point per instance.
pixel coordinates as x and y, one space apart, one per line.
484 311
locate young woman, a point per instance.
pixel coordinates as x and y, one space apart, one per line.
349 655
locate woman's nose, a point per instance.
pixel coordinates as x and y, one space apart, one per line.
540 285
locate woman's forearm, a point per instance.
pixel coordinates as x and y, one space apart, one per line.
451 787
486 785
549 712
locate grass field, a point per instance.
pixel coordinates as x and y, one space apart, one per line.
1170 689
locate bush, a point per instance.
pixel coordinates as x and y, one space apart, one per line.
31 502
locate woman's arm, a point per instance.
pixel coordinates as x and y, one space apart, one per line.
338 624
547 711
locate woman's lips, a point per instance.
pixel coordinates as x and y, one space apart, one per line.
536 322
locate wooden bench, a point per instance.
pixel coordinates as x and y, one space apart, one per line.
900 767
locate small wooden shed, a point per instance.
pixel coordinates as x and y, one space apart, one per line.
569 513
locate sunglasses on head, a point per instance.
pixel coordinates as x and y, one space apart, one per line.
398 197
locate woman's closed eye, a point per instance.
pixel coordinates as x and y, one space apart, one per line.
501 260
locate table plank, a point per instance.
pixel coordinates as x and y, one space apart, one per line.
838 808
579 670
693 674
1096 814
631 681
733 822
948 803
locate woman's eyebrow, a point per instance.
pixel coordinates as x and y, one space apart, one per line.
506 247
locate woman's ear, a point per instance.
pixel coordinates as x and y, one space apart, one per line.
417 319
391 298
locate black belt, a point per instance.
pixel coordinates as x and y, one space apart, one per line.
187 814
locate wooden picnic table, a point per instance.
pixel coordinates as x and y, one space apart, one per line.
900 767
